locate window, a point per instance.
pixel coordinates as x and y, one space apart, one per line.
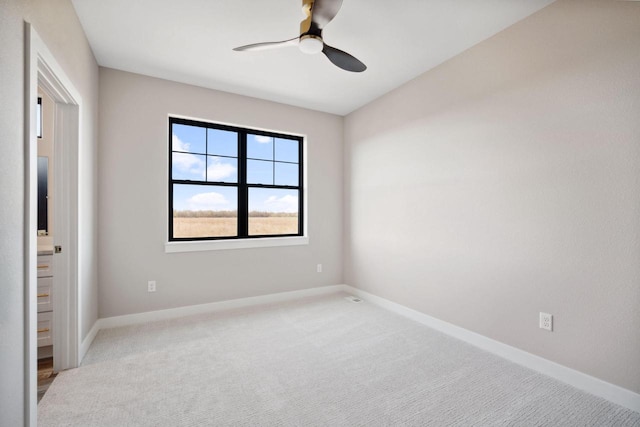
233 183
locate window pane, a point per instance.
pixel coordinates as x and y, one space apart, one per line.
222 142
259 172
287 150
187 166
259 147
222 169
204 211
286 174
273 211
192 139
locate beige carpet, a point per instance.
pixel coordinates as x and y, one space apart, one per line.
316 362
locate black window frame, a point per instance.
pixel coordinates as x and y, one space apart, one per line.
241 184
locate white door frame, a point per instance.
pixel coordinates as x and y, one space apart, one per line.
41 69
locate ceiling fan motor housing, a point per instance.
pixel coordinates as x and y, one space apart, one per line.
311 44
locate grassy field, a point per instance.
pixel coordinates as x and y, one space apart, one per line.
220 227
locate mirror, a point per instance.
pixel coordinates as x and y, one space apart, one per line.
43 196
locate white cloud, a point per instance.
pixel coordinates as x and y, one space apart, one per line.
263 139
207 202
188 163
178 145
286 203
218 171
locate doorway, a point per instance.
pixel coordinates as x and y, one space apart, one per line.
46 294
44 74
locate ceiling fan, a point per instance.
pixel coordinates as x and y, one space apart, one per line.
318 14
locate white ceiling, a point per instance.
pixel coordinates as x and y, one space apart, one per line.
190 41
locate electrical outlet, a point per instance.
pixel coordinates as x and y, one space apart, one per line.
151 286
319 268
546 321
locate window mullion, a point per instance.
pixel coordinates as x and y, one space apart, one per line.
243 192
206 152
300 189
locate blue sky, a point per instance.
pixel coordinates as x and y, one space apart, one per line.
205 198
273 200
262 147
194 140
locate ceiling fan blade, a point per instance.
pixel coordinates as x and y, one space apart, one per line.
324 11
267 45
343 59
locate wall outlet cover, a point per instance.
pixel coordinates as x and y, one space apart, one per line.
546 321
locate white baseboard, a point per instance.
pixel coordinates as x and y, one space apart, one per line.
580 380
172 313
86 342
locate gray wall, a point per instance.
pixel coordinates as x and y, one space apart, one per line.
133 200
505 182
57 24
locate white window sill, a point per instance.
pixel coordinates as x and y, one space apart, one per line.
215 245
